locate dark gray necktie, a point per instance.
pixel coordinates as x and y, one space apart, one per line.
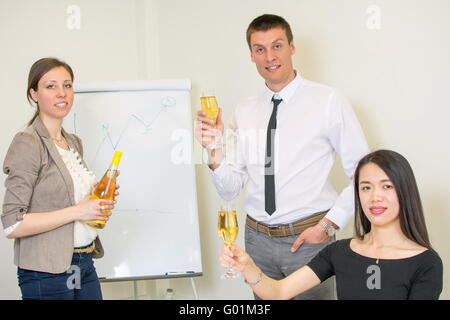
269 168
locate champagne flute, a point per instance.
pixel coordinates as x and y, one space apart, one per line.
228 230
209 105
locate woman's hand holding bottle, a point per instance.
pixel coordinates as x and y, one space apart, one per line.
96 209
91 209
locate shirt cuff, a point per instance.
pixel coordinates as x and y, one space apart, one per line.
339 217
10 229
217 172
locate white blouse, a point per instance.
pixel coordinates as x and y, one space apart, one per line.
83 180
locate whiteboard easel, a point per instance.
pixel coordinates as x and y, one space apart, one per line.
154 228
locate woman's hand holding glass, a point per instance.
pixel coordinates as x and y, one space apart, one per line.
237 259
234 257
227 227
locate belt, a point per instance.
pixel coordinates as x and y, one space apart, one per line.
87 249
285 230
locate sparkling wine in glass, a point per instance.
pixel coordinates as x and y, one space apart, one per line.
228 231
209 105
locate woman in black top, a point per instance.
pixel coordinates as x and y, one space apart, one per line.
390 257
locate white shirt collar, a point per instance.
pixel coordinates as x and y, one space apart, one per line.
287 92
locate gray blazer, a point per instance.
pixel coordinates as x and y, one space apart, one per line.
39 181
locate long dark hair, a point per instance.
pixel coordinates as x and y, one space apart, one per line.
37 70
399 171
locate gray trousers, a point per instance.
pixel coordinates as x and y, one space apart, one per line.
275 259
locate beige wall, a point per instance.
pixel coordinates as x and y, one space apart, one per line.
396 78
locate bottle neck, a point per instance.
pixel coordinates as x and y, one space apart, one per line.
113 167
112 171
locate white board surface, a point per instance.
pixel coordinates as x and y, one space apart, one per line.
154 231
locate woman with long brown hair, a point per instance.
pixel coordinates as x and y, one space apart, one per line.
391 256
47 196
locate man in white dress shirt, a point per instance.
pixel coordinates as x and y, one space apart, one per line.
282 146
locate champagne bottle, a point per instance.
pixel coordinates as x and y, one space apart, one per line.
106 188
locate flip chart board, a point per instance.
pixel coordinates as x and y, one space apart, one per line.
154 229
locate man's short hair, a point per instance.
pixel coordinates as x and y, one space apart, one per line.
267 22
